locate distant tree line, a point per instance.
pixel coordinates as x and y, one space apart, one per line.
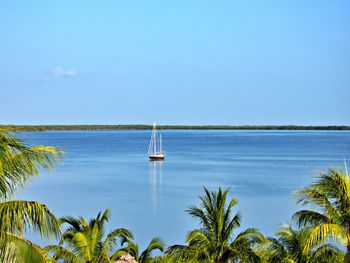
41 128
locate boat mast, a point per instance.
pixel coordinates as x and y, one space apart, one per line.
160 144
154 139
151 142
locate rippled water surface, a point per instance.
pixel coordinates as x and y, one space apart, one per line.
109 169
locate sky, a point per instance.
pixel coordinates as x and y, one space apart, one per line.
175 62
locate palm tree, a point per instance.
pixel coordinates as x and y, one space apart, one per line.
330 195
18 165
291 246
214 240
133 250
86 241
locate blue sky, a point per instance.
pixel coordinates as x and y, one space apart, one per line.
175 62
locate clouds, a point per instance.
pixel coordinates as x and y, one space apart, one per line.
59 72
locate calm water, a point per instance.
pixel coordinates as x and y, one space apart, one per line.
109 169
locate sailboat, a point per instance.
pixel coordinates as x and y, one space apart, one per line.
155 149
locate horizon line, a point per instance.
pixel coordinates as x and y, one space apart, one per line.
58 127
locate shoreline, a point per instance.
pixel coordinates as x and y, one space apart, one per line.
43 128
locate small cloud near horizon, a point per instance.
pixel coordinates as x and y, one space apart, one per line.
59 72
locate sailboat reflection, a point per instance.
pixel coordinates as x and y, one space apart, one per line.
155 173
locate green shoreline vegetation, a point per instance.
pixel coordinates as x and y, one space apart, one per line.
318 233
43 128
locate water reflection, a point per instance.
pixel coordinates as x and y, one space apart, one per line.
155 174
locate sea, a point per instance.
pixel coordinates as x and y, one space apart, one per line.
110 169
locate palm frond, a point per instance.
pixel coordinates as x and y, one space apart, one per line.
187 253
17 249
117 254
250 236
62 253
327 253
309 217
75 223
82 246
321 233
18 216
20 163
110 242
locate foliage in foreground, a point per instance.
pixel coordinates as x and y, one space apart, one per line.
18 165
291 245
330 195
214 240
85 241
146 255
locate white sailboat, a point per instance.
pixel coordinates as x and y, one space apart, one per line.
155 149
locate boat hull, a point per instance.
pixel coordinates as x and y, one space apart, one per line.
156 157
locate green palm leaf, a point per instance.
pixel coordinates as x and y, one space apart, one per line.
19 163
17 249
85 241
155 244
62 253
330 195
213 241
296 245
18 216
